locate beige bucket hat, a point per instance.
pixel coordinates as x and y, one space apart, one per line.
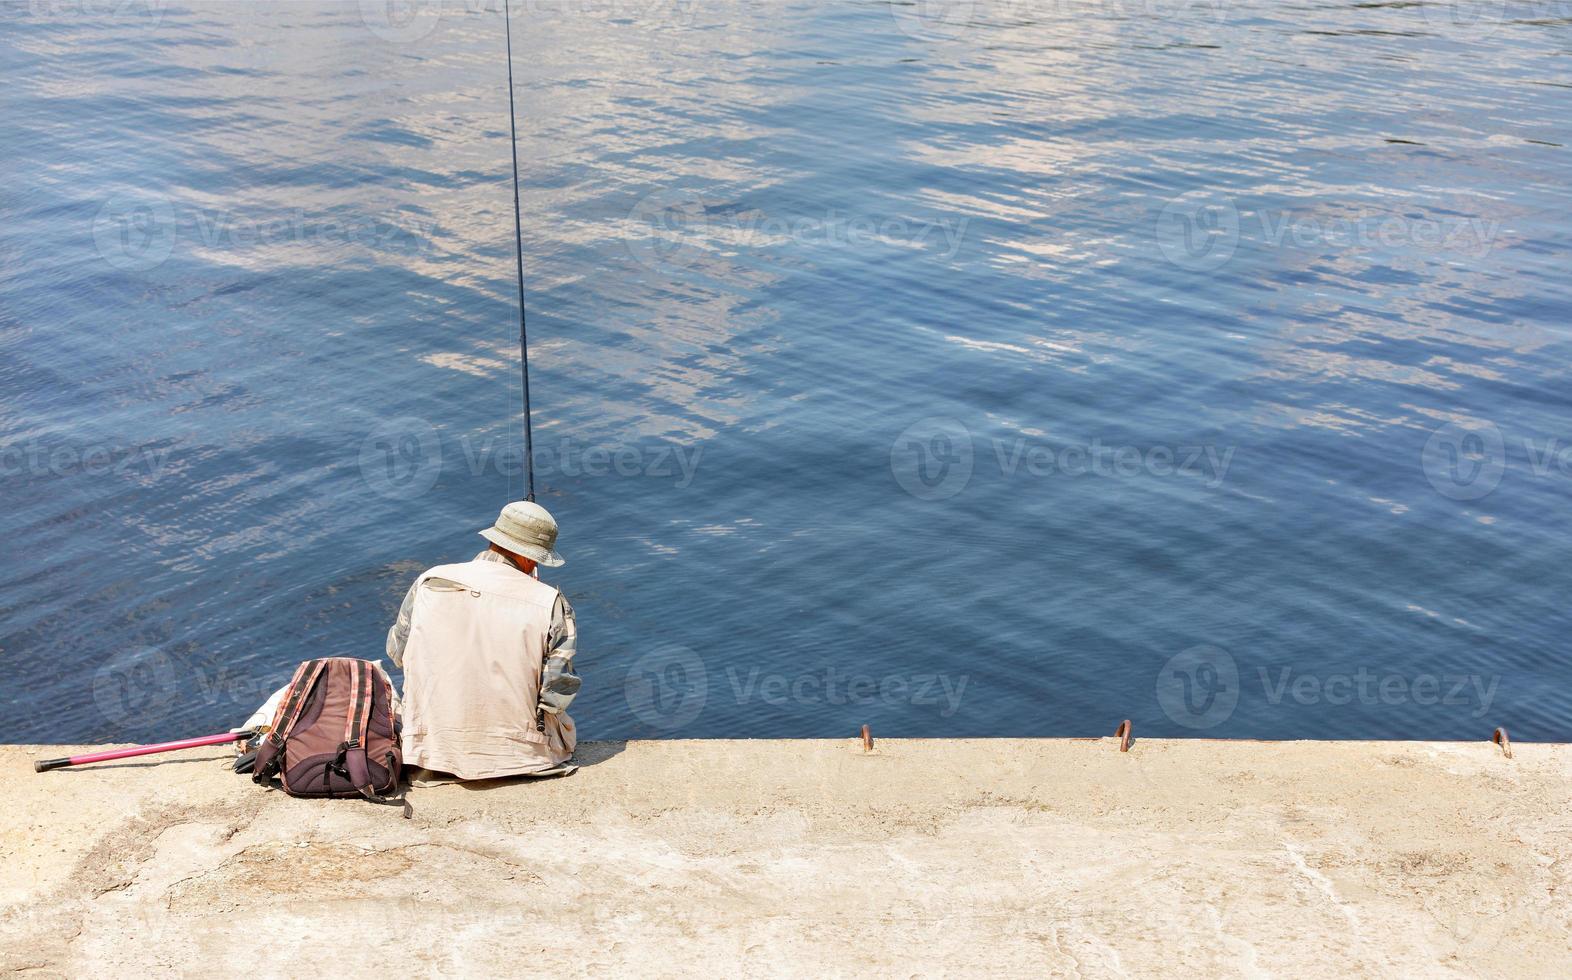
526 528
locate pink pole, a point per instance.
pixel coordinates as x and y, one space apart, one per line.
44 765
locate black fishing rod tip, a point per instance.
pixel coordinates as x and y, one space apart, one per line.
44 765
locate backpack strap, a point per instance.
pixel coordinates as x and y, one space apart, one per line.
355 758
294 705
353 750
285 702
359 714
269 756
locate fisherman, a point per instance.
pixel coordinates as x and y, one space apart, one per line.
487 652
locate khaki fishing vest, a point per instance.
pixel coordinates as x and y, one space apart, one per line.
472 673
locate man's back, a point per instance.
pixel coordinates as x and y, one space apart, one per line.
478 638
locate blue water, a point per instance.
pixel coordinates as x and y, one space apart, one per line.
968 368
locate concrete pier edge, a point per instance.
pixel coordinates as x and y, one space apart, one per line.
1014 857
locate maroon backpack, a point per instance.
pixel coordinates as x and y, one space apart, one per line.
335 734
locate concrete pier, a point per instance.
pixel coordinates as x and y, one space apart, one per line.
921 858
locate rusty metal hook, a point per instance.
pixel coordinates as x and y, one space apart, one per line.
1123 735
1501 739
867 739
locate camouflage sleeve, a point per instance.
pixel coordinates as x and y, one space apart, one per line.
559 685
398 633
563 641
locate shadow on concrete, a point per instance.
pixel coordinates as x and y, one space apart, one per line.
98 766
594 753
586 755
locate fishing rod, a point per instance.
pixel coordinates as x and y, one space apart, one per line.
44 765
518 247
